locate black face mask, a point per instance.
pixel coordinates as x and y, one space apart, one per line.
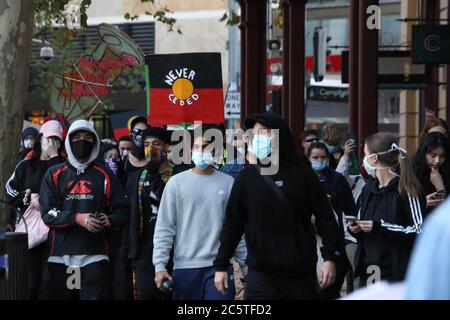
82 149
138 151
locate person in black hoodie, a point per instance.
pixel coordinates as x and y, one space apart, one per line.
29 137
121 274
390 214
145 188
80 200
275 213
24 186
341 199
432 167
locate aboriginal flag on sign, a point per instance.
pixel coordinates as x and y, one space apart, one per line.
184 88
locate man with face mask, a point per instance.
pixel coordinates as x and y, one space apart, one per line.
190 218
125 144
80 200
274 210
145 188
135 160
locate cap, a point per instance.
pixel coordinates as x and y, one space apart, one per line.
52 128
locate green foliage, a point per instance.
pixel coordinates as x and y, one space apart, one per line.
159 14
231 19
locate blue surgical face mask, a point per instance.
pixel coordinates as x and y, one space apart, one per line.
319 166
261 146
332 149
202 160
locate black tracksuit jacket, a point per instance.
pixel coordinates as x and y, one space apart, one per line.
97 190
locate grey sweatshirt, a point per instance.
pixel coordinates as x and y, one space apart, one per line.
191 213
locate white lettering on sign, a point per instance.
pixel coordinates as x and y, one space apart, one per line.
181 81
233 105
179 73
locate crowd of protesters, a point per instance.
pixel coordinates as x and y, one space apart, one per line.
137 224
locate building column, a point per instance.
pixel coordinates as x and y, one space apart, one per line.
368 71
253 56
353 67
409 99
294 67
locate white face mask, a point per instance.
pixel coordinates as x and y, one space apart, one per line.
28 143
370 169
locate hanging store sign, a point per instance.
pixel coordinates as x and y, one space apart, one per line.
431 44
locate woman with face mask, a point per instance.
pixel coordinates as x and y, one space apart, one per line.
22 189
341 199
432 167
390 214
121 278
109 155
29 136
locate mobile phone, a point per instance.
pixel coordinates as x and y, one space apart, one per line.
351 218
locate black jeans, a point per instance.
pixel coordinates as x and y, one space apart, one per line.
94 282
333 292
262 286
145 280
121 279
39 276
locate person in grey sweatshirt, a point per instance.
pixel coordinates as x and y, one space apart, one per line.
190 218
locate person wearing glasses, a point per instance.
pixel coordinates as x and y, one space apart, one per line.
308 137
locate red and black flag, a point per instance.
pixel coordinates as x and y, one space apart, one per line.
184 88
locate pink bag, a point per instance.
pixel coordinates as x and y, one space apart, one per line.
37 230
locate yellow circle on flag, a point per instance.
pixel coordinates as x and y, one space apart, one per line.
183 88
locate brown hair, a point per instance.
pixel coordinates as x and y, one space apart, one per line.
381 142
331 134
317 145
434 122
309 132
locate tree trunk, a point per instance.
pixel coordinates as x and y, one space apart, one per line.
16 31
